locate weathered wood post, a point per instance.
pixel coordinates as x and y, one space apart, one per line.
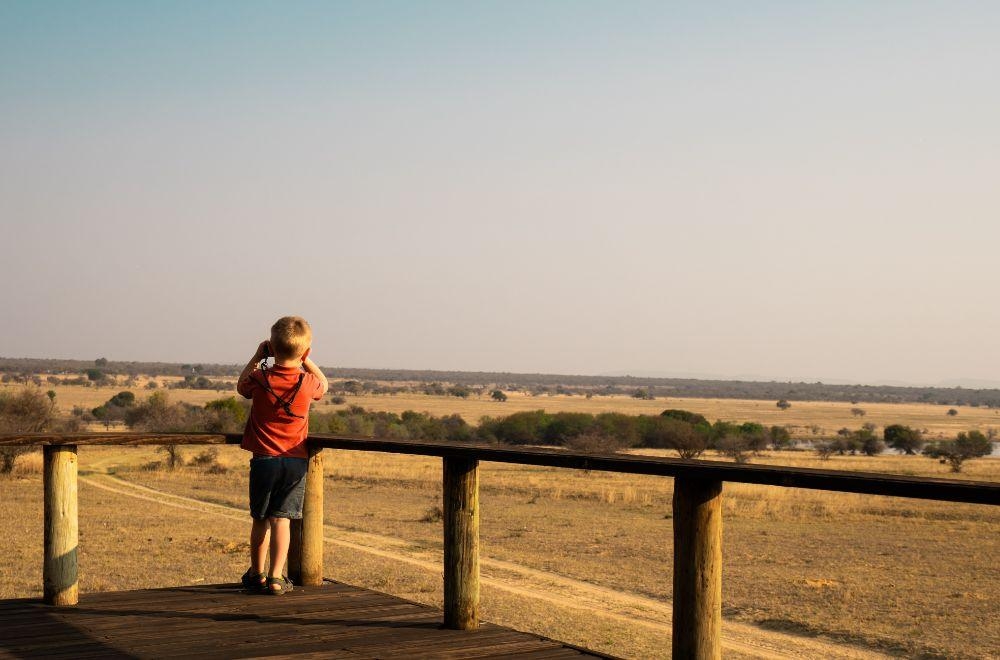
311 556
461 543
295 551
697 620
59 573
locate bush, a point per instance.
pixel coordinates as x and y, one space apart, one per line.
432 515
207 457
594 443
619 428
565 426
523 428
685 416
736 447
156 414
28 410
668 433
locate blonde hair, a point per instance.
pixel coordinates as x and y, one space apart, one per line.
291 336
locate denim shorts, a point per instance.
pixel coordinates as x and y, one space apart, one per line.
277 486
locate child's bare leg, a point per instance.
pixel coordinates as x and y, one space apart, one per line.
280 536
258 544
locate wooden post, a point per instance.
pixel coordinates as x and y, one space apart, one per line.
461 543
311 558
59 573
697 621
295 552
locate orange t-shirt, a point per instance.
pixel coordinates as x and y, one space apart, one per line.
270 431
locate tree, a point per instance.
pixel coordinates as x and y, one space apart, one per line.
225 415
872 445
783 404
826 449
952 412
101 362
461 391
123 399
26 411
967 445
754 435
498 395
903 439
780 437
94 374
174 456
858 412
352 387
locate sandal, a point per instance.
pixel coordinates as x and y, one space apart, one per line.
253 582
277 586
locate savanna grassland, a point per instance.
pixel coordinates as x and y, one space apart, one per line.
804 419
580 556
583 557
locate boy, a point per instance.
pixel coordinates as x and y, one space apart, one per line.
276 431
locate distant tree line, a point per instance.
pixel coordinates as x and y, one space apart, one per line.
477 383
29 410
688 433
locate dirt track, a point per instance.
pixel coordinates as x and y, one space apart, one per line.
739 639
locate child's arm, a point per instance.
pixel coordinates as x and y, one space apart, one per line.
311 367
261 353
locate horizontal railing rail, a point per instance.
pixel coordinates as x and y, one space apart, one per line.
697 512
865 483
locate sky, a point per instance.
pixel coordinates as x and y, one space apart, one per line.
768 190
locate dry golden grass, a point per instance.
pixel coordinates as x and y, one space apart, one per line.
904 576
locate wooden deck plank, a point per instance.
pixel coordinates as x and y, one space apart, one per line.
221 621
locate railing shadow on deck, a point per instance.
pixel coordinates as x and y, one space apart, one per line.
697 513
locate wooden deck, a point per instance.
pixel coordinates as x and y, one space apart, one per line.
221 621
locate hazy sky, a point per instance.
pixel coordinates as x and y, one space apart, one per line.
769 189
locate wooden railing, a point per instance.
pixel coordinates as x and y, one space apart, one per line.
697 514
